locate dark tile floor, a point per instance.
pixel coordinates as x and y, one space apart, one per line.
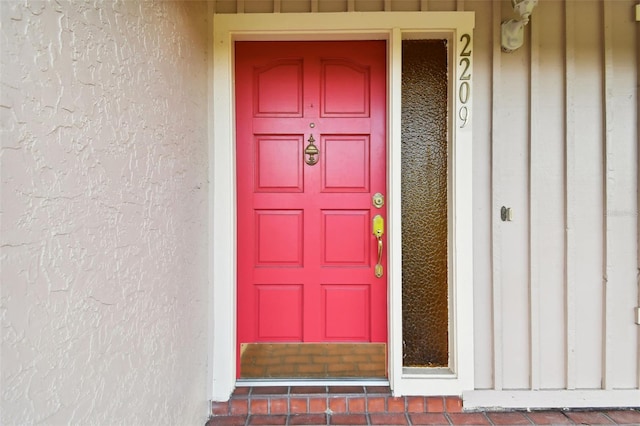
582 417
375 405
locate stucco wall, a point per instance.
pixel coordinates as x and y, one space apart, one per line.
104 212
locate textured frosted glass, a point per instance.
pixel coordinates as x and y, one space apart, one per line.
424 204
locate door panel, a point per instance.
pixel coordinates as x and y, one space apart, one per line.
345 89
306 252
278 89
279 240
346 238
346 163
277 163
279 312
346 310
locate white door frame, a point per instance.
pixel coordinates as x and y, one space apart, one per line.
457 28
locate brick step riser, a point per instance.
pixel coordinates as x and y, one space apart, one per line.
335 403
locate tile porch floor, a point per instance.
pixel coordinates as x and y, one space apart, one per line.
374 405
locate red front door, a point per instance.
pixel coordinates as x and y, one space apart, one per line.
306 251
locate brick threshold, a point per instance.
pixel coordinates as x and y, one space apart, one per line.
330 400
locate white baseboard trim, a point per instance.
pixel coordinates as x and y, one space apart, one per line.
491 399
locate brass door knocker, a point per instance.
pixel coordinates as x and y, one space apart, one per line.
312 151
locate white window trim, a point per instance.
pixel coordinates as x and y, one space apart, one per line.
393 27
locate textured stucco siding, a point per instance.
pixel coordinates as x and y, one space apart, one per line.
104 209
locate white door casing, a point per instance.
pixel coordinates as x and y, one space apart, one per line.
457 28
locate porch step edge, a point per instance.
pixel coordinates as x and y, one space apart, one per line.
296 400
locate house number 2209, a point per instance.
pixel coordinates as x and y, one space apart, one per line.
464 86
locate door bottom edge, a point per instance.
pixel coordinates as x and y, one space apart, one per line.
313 382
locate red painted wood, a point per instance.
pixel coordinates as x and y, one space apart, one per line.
306 253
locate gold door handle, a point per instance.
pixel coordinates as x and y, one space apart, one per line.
378 231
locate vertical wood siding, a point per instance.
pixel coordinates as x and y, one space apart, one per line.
547 243
621 164
484 79
562 277
563 136
555 139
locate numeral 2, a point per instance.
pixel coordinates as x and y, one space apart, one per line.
466 39
465 72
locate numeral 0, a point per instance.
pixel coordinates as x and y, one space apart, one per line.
464 92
